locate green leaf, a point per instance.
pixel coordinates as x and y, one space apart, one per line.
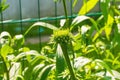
45 71
116 74
5 38
87 6
102 63
104 5
75 2
18 41
24 54
80 62
15 70
108 26
80 19
36 71
5 50
60 62
37 60
43 24
97 34
5 34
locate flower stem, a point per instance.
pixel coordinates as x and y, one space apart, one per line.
65 53
65 9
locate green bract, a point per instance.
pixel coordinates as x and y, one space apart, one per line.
62 36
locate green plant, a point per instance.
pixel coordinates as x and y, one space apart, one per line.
19 62
92 52
90 42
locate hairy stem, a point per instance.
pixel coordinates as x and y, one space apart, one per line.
65 53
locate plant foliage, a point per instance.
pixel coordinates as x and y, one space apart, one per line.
90 53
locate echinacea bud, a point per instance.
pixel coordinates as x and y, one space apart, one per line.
62 36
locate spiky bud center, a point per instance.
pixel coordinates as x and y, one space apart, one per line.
62 36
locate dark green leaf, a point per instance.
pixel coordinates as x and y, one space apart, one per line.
43 24
60 62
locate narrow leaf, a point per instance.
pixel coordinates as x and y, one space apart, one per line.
80 19
25 54
60 62
33 63
36 71
45 72
104 65
108 27
87 6
75 2
104 5
43 24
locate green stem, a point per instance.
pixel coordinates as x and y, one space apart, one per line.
65 9
6 70
65 53
72 52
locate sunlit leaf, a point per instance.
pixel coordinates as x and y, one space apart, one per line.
108 26
5 37
81 61
15 70
97 34
80 19
18 40
24 54
87 6
5 50
62 22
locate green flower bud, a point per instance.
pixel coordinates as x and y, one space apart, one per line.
62 36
